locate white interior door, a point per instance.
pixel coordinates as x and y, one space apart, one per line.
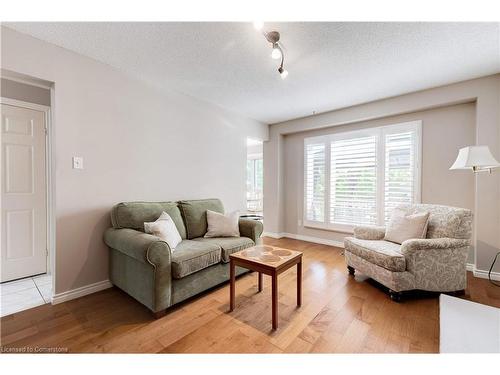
24 208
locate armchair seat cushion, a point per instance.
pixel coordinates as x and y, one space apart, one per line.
192 256
228 245
382 253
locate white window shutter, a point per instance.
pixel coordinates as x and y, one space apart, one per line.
357 178
315 179
399 184
353 181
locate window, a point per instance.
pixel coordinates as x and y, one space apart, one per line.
357 178
315 182
255 178
399 186
353 180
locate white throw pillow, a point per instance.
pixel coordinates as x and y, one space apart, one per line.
164 228
220 225
404 227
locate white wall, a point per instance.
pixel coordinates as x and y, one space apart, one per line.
138 143
484 92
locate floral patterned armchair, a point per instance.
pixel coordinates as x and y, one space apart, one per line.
436 263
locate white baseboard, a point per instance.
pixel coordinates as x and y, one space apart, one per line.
322 241
105 284
80 292
484 274
273 235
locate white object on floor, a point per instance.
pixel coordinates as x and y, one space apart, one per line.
25 294
468 327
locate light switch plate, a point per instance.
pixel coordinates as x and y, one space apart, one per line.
77 162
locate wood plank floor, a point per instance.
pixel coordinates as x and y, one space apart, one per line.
339 314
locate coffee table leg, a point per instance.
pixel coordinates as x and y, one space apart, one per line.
260 281
275 300
231 285
299 283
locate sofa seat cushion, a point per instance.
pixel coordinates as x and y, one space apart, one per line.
382 253
228 245
192 256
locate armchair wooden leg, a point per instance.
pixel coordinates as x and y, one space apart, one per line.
395 296
351 270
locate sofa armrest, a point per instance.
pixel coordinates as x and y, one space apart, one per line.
369 232
414 245
141 246
251 228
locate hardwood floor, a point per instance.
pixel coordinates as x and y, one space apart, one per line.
338 314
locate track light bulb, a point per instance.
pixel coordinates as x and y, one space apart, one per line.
283 72
258 25
276 54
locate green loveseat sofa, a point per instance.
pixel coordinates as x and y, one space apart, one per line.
144 266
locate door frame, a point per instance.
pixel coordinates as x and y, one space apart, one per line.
49 181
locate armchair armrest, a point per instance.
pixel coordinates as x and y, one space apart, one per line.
251 229
141 246
438 264
369 232
414 245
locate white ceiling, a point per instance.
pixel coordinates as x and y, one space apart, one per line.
331 65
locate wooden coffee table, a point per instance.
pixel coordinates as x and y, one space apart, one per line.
269 260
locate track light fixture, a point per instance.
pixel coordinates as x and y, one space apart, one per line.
276 54
283 72
273 37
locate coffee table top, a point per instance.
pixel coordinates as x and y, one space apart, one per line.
270 256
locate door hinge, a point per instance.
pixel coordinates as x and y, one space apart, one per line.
47 252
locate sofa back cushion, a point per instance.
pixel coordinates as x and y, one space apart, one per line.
134 214
194 213
444 221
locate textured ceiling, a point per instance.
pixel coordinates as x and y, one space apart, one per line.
331 65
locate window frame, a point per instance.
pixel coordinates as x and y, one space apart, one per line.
380 132
254 158
312 223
